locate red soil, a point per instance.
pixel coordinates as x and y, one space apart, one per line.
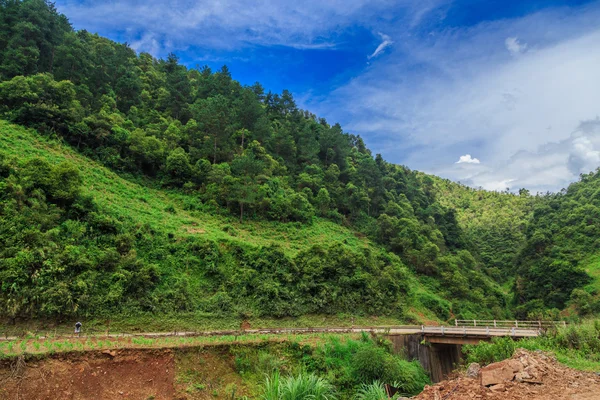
93 375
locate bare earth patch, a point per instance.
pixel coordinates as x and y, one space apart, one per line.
129 374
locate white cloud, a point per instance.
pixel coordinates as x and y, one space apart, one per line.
467 159
514 46
387 41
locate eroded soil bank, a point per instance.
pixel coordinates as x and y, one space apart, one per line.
193 373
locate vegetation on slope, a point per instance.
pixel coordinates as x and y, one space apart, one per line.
75 245
493 223
223 198
563 238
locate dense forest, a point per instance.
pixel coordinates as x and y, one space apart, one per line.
245 153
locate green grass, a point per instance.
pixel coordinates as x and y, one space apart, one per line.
50 346
144 204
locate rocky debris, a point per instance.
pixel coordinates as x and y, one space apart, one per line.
473 370
527 375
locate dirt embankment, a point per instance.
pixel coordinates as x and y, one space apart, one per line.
95 375
528 375
190 373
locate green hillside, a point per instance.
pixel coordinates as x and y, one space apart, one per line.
141 186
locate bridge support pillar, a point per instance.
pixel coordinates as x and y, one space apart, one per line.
438 359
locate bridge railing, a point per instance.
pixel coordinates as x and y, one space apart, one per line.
508 323
478 331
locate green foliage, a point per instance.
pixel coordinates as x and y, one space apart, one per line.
233 152
440 307
562 233
300 387
351 364
373 391
500 348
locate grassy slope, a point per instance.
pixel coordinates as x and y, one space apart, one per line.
142 204
120 197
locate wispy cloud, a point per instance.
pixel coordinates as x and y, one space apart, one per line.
461 91
386 42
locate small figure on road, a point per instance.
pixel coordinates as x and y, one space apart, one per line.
77 328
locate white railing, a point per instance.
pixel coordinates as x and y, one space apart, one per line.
480 331
508 323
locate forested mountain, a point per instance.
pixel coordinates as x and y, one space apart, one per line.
242 153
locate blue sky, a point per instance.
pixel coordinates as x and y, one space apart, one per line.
496 93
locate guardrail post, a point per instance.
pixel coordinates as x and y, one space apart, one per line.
455 322
516 324
487 330
422 329
514 333
494 323
442 330
474 323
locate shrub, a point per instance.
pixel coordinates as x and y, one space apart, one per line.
500 348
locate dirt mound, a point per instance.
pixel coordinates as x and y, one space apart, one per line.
120 374
527 375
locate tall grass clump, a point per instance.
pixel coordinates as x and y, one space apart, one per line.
300 387
376 391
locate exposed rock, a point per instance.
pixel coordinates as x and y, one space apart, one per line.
473 370
496 373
